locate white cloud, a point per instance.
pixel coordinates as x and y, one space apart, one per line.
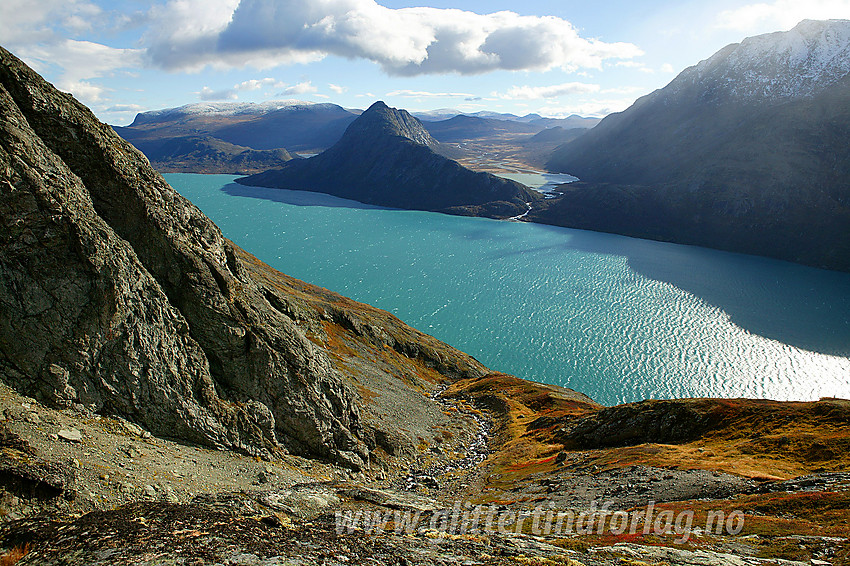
624 90
426 94
591 109
305 87
208 94
257 84
85 91
553 91
80 61
25 22
407 41
635 65
40 32
781 14
124 108
667 68
337 89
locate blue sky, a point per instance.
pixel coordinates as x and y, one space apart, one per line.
555 58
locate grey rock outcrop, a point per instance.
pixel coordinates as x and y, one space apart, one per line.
118 294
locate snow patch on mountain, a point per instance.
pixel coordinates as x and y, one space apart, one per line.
231 108
775 66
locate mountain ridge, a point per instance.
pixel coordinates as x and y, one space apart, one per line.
386 158
695 163
292 125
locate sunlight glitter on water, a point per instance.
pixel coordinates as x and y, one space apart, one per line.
617 318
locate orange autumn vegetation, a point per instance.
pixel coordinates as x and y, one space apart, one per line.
747 437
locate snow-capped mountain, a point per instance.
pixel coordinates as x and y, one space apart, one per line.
292 124
745 151
228 109
775 66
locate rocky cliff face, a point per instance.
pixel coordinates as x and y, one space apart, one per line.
118 294
744 151
385 158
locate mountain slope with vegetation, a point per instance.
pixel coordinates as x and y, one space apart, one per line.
120 296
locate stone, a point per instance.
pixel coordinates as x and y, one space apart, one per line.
170 496
303 503
131 428
132 452
70 435
36 477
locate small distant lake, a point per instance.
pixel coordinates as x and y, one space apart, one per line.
617 318
543 182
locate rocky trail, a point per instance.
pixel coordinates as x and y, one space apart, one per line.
473 454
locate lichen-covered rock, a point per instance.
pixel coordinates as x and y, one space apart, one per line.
118 294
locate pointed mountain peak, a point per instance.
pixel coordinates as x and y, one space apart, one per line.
382 120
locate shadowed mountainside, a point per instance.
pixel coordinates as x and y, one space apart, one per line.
744 152
194 154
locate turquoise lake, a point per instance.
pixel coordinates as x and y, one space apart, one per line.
617 318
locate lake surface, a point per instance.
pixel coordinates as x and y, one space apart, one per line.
617 318
543 182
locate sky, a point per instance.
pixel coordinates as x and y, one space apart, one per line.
555 58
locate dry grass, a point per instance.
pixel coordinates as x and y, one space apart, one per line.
751 438
514 404
14 555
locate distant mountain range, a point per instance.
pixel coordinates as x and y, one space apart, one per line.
386 158
218 127
224 137
573 121
746 151
461 128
